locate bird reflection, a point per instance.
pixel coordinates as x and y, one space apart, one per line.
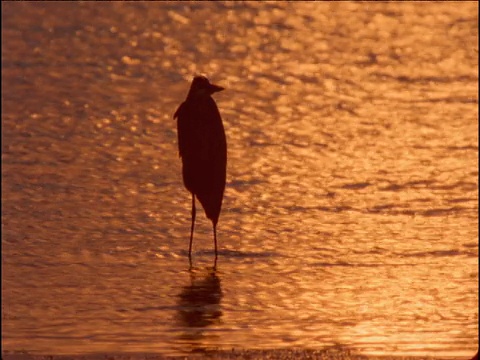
199 306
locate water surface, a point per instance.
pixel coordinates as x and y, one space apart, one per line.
351 209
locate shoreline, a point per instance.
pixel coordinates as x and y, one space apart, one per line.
234 354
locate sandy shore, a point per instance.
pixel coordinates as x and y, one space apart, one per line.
289 354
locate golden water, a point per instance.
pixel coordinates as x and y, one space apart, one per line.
351 209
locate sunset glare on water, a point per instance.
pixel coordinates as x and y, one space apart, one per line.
350 214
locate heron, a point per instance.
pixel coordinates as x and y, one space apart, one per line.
202 148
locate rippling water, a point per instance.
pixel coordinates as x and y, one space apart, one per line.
351 210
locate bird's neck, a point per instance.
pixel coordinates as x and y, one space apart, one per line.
197 96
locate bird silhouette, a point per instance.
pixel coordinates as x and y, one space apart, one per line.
203 149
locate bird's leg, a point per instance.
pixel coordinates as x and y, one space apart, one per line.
215 240
191 230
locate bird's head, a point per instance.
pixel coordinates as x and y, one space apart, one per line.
202 87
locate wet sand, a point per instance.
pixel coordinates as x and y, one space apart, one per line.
274 354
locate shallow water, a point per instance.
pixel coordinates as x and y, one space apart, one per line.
351 209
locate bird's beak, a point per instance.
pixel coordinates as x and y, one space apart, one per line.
215 88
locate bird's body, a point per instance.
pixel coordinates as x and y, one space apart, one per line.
203 149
